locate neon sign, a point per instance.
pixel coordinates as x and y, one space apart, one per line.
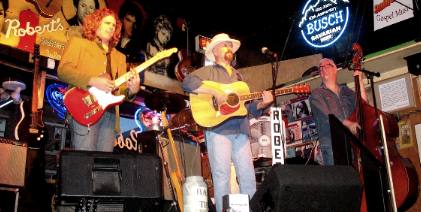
55 94
324 21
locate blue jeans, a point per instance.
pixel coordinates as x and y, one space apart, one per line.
223 148
99 137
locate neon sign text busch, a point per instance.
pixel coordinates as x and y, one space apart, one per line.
323 21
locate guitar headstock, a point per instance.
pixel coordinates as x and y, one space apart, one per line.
357 58
166 53
302 89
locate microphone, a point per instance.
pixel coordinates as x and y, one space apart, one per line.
268 52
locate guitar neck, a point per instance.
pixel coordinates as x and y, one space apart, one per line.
259 95
125 77
160 55
35 81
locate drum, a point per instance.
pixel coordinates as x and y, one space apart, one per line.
184 118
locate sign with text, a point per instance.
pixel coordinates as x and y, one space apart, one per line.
388 12
323 22
277 127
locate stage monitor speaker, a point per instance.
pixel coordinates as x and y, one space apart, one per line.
12 164
309 188
109 175
414 64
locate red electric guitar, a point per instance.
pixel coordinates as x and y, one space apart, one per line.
88 106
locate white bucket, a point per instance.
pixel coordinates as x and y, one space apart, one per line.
195 194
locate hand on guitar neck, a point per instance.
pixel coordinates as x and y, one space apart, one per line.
102 83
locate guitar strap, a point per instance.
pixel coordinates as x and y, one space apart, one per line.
108 69
108 54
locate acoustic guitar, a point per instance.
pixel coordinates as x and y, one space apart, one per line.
207 113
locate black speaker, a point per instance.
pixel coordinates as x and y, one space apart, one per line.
414 64
109 175
308 188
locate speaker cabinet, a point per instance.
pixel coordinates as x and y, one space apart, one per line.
309 188
12 164
110 175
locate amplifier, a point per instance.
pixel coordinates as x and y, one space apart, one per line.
12 162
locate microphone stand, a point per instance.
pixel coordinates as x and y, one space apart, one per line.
275 68
275 65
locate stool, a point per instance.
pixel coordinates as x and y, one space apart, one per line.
16 190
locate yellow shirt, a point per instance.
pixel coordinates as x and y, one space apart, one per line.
83 59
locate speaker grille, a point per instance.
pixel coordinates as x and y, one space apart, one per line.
140 174
12 164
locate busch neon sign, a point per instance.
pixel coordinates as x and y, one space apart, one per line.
324 21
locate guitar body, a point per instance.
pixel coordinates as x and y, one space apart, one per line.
47 8
205 111
184 66
87 107
24 132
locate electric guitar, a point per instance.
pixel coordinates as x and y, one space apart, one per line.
88 106
207 113
31 128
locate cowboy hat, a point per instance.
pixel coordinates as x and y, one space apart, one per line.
217 39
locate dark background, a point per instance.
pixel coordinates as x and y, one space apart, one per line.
273 24
268 23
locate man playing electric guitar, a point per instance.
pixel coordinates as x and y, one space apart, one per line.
84 64
228 140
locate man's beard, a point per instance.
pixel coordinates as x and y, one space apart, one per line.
229 56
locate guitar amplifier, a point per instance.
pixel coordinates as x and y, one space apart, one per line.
12 162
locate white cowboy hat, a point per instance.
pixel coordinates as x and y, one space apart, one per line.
217 39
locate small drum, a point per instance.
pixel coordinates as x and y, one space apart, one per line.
260 137
184 118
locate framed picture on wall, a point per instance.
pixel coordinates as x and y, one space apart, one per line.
395 94
300 108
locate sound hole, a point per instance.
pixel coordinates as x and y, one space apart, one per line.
232 99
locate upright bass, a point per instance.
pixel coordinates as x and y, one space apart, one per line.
403 174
